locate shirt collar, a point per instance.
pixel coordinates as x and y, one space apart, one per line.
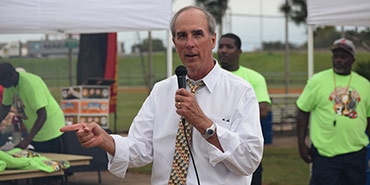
212 77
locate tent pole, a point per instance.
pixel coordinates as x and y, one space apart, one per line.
169 54
310 51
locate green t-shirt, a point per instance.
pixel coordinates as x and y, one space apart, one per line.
33 94
338 116
257 81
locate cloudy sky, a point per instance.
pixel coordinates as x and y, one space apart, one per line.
242 19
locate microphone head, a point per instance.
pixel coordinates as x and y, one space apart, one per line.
181 70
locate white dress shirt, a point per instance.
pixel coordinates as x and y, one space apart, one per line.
229 101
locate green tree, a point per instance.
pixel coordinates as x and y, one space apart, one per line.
363 68
361 38
217 8
325 36
296 10
144 46
276 45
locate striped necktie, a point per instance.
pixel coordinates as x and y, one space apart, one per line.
180 162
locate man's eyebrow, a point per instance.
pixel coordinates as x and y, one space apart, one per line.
180 33
197 31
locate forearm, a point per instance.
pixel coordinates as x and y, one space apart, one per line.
368 125
108 145
39 122
34 130
302 126
264 109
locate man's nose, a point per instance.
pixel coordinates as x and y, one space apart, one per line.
190 42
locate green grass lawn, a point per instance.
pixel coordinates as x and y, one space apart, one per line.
133 70
283 166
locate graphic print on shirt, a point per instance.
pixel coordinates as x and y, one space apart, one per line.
345 101
19 107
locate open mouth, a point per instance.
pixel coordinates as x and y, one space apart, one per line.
191 55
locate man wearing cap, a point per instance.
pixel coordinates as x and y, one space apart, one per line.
335 106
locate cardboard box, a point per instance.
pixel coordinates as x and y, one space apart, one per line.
102 120
70 106
94 107
86 103
85 106
86 92
71 119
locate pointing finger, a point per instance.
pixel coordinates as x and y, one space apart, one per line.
73 127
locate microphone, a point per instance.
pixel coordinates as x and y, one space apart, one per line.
181 76
181 80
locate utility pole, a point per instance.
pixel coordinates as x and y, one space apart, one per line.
287 67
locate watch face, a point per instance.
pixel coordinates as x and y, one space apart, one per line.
209 132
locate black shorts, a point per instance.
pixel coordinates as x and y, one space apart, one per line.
344 169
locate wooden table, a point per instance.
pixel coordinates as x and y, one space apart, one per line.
74 160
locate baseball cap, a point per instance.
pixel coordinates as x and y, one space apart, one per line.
344 44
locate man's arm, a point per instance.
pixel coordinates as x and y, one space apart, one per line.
368 125
264 109
40 120
302 126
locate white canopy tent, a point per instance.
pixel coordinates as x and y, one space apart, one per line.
85 16
334 13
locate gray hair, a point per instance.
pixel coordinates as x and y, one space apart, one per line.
210 19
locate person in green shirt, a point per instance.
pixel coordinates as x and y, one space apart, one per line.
228 53
40 112
36 108
335 107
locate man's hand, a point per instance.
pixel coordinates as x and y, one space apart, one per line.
91 135
304 151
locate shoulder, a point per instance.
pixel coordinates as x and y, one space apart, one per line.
233 80
31 81
360 77
361 80
166 84
29 76
321 75
250 72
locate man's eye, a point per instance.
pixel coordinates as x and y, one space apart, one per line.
198 33
180 34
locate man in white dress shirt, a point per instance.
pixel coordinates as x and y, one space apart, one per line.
226 105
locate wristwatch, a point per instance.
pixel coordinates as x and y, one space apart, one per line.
209 131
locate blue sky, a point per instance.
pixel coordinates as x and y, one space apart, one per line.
244 21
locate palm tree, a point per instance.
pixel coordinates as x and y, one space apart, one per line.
216 7
297 11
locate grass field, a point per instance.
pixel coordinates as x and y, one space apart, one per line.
133 69
282 166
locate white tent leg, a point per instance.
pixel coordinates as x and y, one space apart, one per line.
169 54
310 51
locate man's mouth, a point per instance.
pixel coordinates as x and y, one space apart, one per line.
223 58
190 55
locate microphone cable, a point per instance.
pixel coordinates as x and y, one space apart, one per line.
191 153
